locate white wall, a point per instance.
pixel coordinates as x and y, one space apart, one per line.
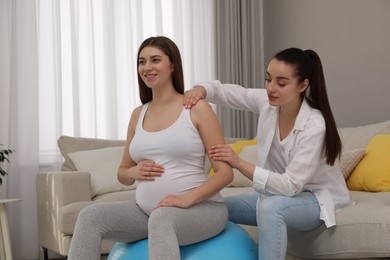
4 86
352 38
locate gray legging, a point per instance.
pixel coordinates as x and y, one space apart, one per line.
166 228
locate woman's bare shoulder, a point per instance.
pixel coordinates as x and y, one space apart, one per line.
202 113
135 116
202 106
137 111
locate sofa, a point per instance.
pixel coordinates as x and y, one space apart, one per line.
88 175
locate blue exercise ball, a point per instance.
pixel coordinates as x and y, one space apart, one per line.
231 244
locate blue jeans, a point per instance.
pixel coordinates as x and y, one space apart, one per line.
274 216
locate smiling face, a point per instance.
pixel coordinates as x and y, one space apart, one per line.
154 67
282 85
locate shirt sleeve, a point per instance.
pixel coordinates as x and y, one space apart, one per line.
306 156
235 96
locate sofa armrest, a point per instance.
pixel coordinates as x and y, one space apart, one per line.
54 191
64 187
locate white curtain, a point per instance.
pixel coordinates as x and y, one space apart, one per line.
68 67
87 49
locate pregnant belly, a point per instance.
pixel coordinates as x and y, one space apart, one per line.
150 193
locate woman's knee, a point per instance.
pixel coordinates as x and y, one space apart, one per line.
269 205
88 212
161 218
301 212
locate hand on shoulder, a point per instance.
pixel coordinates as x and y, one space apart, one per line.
192 96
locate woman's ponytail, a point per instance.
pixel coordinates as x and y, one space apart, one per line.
317 97
308 66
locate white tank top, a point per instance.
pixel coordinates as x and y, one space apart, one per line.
179 148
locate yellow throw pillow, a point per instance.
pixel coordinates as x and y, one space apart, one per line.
373 171
237 148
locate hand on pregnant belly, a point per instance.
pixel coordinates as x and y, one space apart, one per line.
148 170
180 201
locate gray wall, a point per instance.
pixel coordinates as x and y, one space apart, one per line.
352 38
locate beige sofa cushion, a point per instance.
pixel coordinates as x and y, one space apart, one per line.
102 164
362 231
359 137
68 214
68 144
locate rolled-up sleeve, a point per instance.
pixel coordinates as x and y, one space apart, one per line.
260 178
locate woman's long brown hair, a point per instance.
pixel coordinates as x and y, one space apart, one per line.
172 51
308 66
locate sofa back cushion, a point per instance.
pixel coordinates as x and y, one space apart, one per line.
102 164
360 136
68 144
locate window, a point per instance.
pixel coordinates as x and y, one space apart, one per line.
87 61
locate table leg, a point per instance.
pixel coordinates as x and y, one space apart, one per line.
2 255
5 232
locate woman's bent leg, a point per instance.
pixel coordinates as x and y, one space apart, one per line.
120 221
171 227
242 208
277 214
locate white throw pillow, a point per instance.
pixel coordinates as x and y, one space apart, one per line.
360 136
103 165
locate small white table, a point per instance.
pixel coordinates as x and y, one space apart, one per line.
5 237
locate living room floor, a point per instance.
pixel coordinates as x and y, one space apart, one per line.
104 257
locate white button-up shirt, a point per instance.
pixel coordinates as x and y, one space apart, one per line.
306 169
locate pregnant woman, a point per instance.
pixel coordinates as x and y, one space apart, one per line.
176 203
